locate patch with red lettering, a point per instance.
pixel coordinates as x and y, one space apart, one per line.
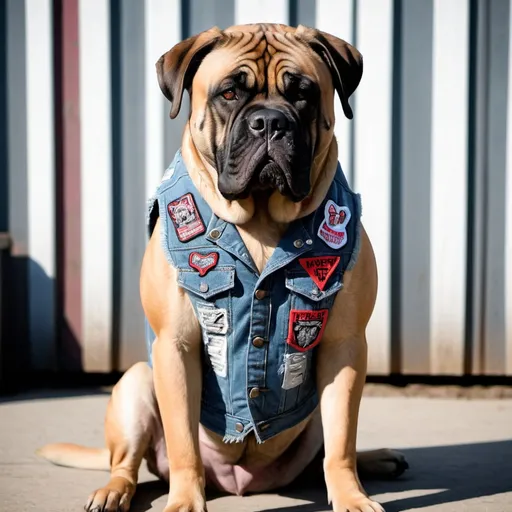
305 328
186 218
203 262
333 230
320 268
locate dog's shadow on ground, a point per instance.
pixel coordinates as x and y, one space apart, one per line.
437 475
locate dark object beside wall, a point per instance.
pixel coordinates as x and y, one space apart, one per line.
5 245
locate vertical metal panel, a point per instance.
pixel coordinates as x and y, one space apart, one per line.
337 18
414 190
494 312
16 127
41 173
17 181
173 129
449 185
477 164
372 160
508 212
131 222
4 162
96 166
204 14
302 12
68 200
162 32
261 11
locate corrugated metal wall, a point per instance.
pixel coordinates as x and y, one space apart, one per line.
85 137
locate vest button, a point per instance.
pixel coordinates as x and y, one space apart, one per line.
260 294
258 342
309 241
254 393
203 287
215 233
298 243
239 427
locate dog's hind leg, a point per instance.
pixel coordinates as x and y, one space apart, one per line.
381 464
131 418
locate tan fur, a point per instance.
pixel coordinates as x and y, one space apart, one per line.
166 401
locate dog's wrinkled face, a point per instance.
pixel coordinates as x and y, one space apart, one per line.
258 115
262 103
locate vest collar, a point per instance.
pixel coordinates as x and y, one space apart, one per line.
296 241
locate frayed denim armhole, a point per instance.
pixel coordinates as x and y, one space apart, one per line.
164 233
156 202
357 243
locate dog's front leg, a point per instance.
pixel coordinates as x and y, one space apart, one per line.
341 374
340 382
177 377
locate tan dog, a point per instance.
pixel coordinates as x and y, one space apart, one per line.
259 149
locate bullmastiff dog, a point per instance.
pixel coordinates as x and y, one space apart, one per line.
257 284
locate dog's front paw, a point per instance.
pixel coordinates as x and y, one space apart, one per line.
114 497
186 494
356 504
346 494
186 504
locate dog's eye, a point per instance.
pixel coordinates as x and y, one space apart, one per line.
229 95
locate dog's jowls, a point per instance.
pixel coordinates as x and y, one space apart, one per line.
257 283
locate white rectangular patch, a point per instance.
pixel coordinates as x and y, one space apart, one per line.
294 370
213 320
216 347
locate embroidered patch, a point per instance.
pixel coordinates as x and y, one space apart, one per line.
306 327
203 262
320 268
185 217
213 320
216 346
294 370
332 230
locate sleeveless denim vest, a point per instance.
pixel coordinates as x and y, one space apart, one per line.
260 331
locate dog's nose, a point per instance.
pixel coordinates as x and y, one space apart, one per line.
268 122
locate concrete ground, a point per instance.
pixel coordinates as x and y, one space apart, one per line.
459 451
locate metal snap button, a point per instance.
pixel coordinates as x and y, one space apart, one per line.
260 294
298 243
309 241
315 291
239 427
203 287
215 233
254 393
258 342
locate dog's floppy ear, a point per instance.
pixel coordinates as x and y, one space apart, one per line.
177 67
343 60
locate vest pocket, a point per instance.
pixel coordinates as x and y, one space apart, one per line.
214 282
304 286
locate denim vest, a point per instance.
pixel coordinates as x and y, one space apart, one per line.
260 331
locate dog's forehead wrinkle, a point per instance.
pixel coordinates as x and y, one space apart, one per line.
266 53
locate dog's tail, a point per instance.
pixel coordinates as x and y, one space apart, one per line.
76 456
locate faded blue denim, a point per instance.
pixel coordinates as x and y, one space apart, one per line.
244 393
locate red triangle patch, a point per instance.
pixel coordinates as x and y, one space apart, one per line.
320 268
